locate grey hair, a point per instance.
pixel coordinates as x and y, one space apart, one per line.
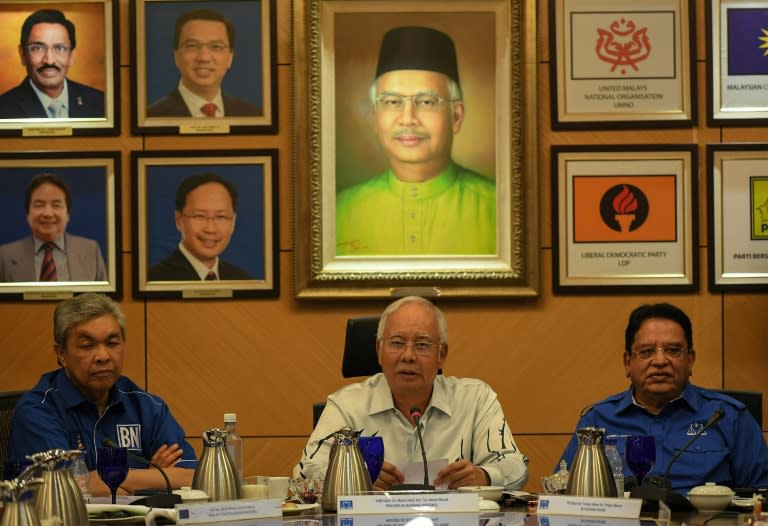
454 92
442 322
80 309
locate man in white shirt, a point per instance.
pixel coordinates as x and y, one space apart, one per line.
462 420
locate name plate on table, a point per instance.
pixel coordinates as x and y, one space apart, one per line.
454 519
426 502
589 506
229 510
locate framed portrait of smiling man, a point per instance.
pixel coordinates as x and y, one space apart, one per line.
60 68
204 67
205 224
61 232
415 148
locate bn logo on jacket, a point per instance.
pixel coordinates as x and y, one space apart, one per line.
129 436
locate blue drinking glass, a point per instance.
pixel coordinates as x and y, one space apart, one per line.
640 454
112 466
372 449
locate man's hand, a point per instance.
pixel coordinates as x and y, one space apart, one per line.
167 456
388 476
462 473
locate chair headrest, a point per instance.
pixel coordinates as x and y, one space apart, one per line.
360 347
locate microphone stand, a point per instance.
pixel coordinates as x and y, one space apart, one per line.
168 499
426 486
655 489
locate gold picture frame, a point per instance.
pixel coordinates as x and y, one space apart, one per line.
331 103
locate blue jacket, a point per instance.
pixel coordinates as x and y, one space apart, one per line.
732 452
55 415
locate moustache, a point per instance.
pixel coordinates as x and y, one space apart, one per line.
409 132
49 66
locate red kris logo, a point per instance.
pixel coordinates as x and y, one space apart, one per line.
623 45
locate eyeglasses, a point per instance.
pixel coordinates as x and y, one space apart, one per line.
419 347
42 49
422 102
197 47
649 351
202 219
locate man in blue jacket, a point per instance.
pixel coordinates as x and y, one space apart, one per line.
88 400
658 360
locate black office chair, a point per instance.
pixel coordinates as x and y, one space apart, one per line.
752 399
7 405
359 354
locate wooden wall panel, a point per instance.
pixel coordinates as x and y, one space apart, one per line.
270 359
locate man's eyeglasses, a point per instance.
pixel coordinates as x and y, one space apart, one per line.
202 219
649 351
197 47
419 347
37 50
422 102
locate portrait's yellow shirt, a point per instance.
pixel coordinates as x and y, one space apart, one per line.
453 213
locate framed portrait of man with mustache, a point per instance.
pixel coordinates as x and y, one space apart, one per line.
423 167
60 68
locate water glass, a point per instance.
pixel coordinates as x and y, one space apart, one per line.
640 455
372 449
82 476
112 466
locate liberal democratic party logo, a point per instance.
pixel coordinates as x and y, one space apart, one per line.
614 208
622 44
129 435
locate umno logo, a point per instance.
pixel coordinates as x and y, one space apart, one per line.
623 45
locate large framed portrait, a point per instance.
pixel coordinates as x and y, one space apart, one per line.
415 141
737 40
205 224
622 64
626 218
61 231
60 68
204 67
738 216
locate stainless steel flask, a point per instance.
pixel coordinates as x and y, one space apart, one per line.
59 497
216 474
347 474
591 474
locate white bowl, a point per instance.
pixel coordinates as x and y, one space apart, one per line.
710 497
188 494
493 493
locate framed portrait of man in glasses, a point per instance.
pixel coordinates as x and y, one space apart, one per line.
205 224
423 173
204 67
60 68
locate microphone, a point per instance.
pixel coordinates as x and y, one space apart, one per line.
654 488
426 486
155 500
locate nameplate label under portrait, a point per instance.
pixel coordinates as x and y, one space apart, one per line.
230 510
589 506
390 502
203 128
206 293
454 519
47 131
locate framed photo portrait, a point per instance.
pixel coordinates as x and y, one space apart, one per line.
61 233
415 166
626 218
204 67
205 224
738 216
60 68
737 40
622 64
